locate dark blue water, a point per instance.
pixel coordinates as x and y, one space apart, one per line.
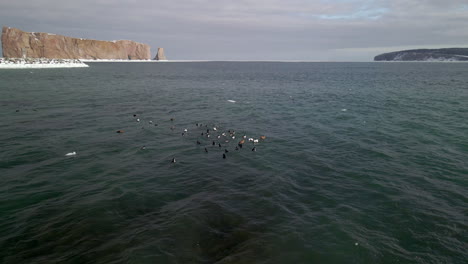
362 163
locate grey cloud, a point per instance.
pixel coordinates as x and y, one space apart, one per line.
249 29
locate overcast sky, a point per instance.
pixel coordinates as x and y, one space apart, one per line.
318 30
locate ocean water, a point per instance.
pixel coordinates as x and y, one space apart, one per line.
362 163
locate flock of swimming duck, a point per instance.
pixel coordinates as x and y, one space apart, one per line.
212 136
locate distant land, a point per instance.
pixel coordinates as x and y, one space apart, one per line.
20 44
447 54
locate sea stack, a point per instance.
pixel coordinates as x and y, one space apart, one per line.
160 55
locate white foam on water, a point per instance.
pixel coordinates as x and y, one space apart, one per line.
231 101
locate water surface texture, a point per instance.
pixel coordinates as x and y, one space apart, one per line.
362 163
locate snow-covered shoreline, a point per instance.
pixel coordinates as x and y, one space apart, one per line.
112 60
30 63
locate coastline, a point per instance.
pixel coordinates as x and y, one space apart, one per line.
30 63
111 60
38 63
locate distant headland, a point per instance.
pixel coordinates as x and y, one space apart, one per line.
19 44
447 54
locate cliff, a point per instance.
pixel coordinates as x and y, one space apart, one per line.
449 54
20 44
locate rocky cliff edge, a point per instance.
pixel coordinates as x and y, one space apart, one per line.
447 54
20 44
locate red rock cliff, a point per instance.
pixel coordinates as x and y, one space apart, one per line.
18 44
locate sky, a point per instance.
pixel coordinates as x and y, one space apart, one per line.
313 30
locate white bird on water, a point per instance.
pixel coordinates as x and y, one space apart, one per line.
71 153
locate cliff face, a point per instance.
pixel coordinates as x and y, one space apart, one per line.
450 54
18 44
